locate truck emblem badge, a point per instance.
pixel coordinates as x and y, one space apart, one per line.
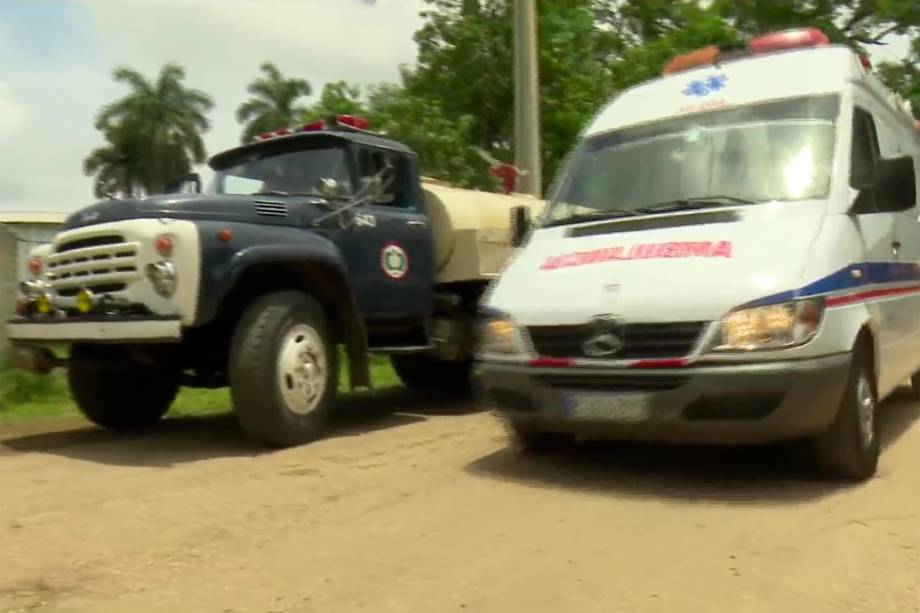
394 261
602 345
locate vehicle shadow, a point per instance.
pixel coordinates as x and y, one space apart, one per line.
183 439
763 475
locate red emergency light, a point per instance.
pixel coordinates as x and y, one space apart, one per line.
788 39
358 123
700 57
282 132
313 126
767 43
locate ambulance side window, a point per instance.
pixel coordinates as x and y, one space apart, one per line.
865 149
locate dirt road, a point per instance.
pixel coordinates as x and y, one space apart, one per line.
423 511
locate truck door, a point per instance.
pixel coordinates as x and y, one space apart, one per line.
391 250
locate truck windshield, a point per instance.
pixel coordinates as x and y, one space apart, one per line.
758 153
285 172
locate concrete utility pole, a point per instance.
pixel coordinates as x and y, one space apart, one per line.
526 98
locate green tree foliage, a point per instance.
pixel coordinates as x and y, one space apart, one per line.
152 134
337 98
274 102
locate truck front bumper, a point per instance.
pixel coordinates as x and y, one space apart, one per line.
95 330
724 404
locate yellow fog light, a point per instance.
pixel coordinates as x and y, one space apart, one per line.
85 302
43 304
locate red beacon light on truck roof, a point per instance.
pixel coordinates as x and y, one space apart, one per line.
313 126
337 121
358 123
788 39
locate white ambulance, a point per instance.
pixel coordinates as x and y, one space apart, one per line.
731 255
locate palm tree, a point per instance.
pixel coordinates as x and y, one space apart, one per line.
117 166
273 102
153 133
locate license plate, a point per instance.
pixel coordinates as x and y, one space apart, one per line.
607 407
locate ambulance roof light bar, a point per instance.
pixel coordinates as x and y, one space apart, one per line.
788 39
783 40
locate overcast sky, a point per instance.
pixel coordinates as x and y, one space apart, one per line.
57 56
56 59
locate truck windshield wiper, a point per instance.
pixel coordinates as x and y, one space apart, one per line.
596 216
689 204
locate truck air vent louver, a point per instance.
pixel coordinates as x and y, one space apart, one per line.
271 209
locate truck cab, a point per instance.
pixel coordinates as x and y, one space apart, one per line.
305 241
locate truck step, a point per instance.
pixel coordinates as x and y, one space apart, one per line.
410 349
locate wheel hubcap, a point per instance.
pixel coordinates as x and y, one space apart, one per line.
302 369
865 402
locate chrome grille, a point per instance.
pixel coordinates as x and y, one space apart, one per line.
640 340
101 264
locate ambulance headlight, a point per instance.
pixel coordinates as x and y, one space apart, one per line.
499 335
774 326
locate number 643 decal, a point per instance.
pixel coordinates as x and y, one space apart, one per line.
365 220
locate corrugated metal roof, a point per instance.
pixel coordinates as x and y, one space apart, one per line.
13 217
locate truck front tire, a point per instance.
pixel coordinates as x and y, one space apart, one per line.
283 369
118 395
420 372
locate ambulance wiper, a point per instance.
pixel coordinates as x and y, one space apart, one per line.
690 204
596 216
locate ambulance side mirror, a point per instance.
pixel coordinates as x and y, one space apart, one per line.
892 189
895 185
520 225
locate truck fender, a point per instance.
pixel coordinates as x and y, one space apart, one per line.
313 264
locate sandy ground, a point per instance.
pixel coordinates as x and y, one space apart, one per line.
421 510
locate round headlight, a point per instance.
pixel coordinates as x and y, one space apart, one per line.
162 276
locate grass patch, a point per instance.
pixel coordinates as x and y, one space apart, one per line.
24 396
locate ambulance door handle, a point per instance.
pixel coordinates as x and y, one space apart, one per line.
895 249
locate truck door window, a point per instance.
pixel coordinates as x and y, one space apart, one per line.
865 148
372 161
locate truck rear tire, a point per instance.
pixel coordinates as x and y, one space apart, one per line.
849 448
283 369
116 394
420 372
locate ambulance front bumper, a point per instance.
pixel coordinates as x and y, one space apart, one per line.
724 404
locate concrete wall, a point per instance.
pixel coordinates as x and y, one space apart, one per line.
8 278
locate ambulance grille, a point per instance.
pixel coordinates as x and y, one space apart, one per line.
640 340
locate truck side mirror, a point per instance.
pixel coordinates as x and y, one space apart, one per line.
520 225
175 186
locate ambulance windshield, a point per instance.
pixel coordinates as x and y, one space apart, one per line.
778 151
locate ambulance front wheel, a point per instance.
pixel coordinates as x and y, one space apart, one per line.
849 448
532 439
